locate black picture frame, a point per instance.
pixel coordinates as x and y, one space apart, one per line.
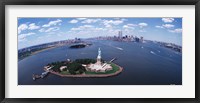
3 3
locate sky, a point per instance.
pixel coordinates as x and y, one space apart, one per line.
34 31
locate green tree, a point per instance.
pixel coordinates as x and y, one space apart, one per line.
73 67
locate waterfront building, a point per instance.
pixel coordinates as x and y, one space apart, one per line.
120 34
141 39
62 68
137 39
99 66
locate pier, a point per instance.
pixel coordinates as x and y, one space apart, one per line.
40 76
112 60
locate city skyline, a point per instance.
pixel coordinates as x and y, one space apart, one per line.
34 31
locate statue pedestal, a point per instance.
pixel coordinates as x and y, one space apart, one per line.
98 62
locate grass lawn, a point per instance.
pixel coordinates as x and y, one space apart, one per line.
65 73
115 68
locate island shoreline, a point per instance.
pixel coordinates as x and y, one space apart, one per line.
87 75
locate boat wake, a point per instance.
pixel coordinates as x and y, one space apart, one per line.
119 48
152 52
166 58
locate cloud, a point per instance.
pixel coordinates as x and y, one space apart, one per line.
42 30
99 29
73 21
90 21
157 26
52 29
75 29
168 26
108 26
168 20
84 27
22 37
112 22
87 30
141 25
55 22
132 25
32 26
49 29
129 26
125 26
22 27
178 30
81 18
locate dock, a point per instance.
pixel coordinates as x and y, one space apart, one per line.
44 74
112 60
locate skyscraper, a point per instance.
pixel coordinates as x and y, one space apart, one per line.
120 34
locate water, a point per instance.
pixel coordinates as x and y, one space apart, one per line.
143 63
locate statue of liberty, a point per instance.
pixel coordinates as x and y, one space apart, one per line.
99 54
99 57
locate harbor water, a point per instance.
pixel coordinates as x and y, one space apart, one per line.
144 64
